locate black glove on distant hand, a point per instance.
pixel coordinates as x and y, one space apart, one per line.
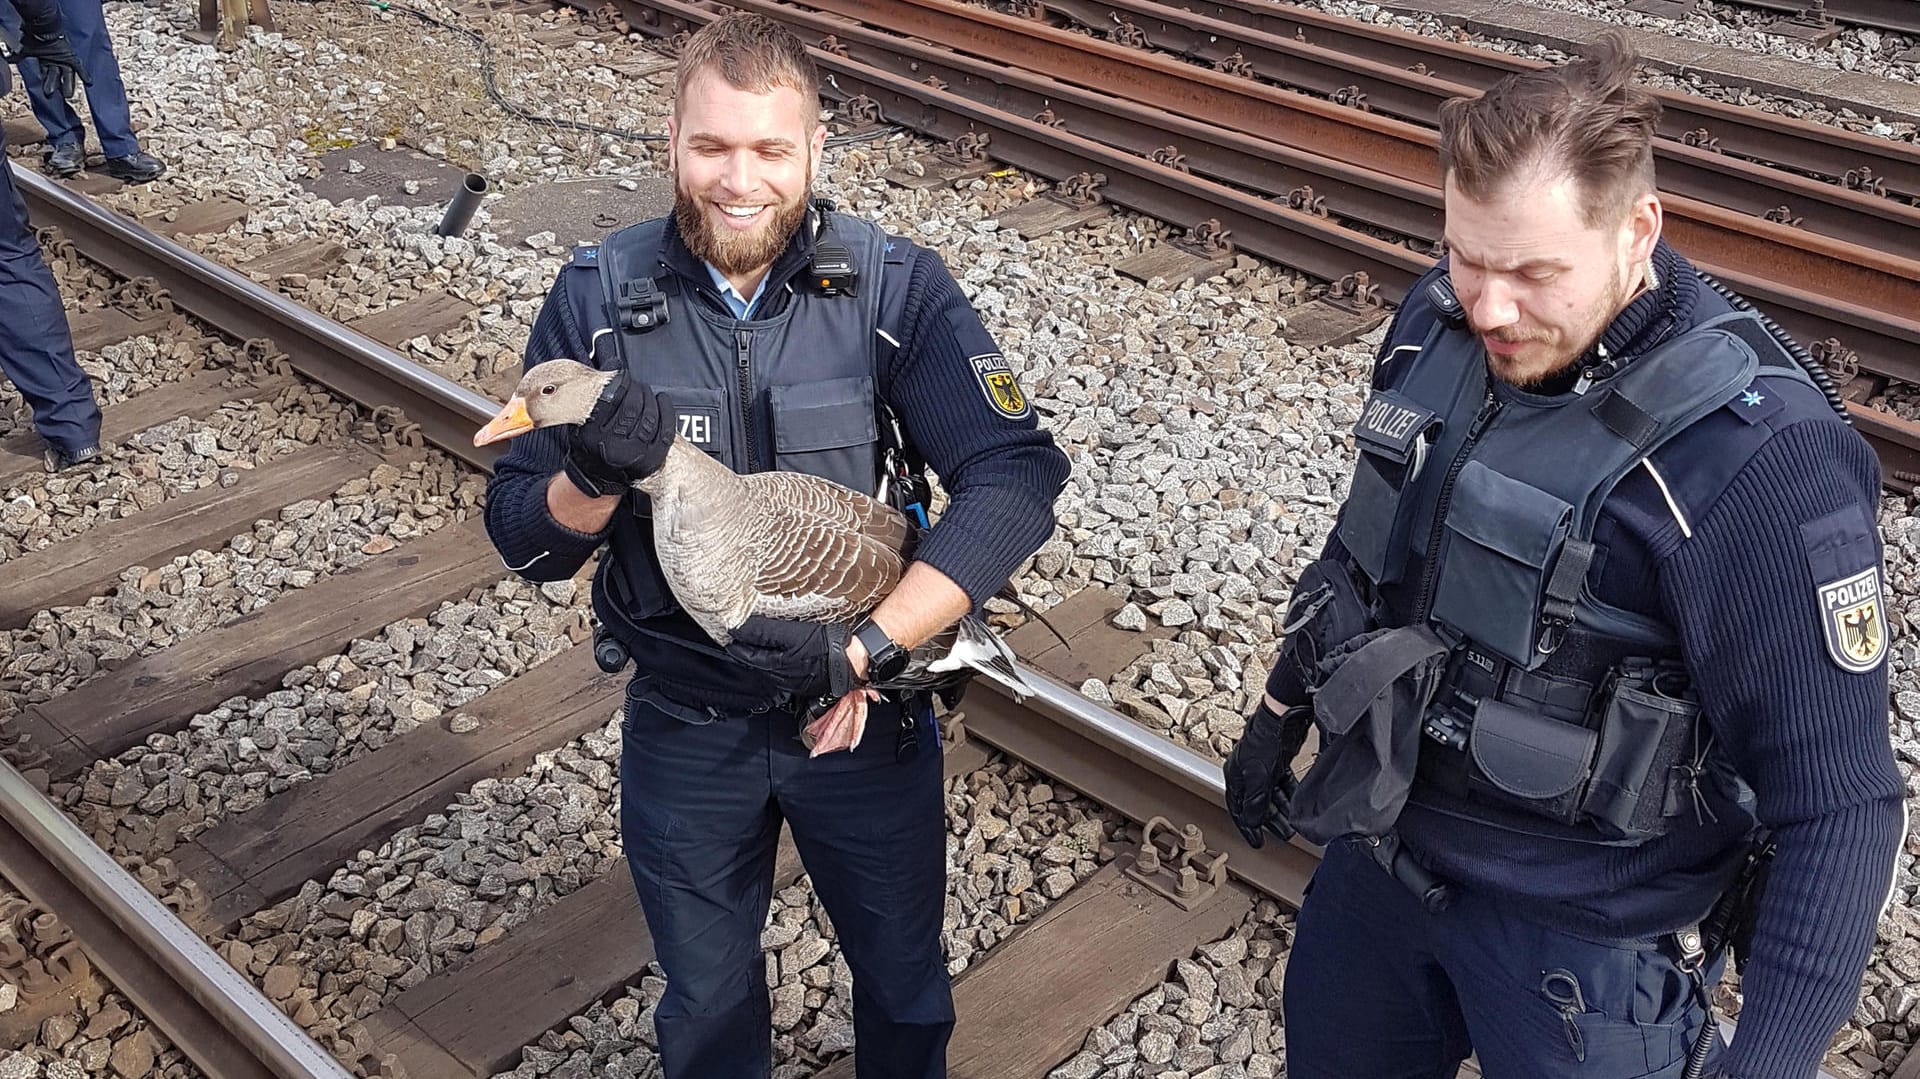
60 70
808 660
1259 772
625 439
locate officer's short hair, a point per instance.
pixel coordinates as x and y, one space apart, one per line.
1585 120
753 53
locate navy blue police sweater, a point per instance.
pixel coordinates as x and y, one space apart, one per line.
1731 555
1001 474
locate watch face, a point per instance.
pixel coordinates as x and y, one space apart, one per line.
891 660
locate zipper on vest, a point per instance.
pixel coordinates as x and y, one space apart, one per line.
1602 368
743 358
1430 573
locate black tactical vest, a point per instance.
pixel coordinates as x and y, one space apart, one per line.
794 391
1472 510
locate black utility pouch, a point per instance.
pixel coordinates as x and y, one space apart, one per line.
1525 759
1503 539
1641 775
1393 436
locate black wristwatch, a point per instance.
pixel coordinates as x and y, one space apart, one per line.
885 659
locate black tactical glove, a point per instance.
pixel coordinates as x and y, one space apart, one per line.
625 439
60 70
1259 772
806 660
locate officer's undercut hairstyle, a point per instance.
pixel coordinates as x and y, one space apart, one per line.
753 53
1585 120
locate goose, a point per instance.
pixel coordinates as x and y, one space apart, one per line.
777 544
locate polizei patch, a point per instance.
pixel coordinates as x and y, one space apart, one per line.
1854 618
1001 388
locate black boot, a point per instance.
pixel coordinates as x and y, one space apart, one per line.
59 460
66 159
135 168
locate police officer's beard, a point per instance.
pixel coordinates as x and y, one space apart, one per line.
1522 374
737 252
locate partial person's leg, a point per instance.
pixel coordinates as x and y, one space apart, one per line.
1364 995
36 348
59 119
1545 1005
106 94
872 832
700 833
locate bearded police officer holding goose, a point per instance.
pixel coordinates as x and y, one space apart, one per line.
1596 652
773 333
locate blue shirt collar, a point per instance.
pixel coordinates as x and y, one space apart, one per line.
741 306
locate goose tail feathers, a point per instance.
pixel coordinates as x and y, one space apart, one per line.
970 648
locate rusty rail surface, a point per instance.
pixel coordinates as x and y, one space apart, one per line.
343 360
1846 158
1851 300
212 1013
1693 171
1097 750
1882 342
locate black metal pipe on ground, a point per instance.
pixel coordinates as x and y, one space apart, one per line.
465 202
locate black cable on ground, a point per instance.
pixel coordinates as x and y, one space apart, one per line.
500 101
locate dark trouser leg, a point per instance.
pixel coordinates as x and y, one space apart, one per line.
36 348
106 95
700 831
872 832
1364 993
59 119
1545 1005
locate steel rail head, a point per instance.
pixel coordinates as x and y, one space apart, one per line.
1789 141
195 975
340 358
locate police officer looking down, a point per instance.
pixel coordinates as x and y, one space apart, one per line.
1603 611
775 334
36 347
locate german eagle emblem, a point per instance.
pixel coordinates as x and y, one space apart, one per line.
1854 619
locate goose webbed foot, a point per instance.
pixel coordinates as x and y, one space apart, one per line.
841 726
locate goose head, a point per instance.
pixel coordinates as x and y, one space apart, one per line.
550 394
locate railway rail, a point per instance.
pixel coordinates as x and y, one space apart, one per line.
154 952
1328 165
1387 64
1205 874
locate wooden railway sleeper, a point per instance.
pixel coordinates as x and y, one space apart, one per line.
1180 868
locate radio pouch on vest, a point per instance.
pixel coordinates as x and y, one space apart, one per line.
1368 711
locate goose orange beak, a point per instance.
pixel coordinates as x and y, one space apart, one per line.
511 420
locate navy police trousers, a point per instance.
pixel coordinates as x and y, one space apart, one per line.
86 25
702 798
36 348
1377 987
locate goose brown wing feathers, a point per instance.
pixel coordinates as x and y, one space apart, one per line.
828 550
